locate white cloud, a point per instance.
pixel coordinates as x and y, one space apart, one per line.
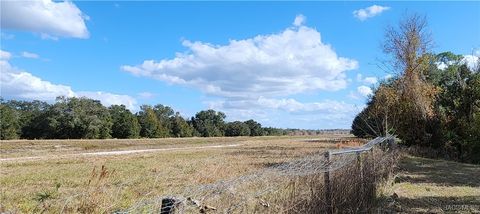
21 84
49 19
289 62
146 95
250 77
353 95
367 80
365 13
299 20
476 52
5 55
364 90
18 84
370 80
289 105
471 61
30 55
441 65
359 77
278 112
109 99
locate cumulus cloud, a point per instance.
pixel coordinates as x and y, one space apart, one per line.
366 80
5 55
289 105
49 19
441 65
109 99
365 13
24 85
146 95
370 80
471 61
30 55
250 76
274 112
364 90
289 62
18 84
299 20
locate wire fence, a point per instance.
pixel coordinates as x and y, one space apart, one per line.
342 180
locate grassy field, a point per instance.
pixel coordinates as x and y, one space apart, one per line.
64 180
53 176
434 186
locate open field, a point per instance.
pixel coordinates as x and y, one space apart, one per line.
60 179
434 186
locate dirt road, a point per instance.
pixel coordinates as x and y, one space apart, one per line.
108 153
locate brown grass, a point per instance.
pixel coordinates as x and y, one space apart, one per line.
433 186
106 184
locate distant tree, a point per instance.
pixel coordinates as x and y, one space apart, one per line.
32 118
150 126
9 126
237 128
164 115
180 127
270 131
125 124
193 125
79 118
209 123
255 128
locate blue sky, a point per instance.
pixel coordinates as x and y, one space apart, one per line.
285 64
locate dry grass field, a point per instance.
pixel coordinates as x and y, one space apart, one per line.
425 185
58 176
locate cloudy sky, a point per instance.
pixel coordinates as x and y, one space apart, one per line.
296 65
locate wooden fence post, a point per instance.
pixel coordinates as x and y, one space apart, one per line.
360 172
169 205
373 172
328 185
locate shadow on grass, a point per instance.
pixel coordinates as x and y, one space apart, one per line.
439 172
466 204
443 180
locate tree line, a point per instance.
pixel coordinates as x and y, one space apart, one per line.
433 101
84 118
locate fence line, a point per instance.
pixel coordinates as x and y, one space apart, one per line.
252 192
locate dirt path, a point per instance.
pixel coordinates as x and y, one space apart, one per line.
109 153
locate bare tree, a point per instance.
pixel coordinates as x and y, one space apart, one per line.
409 45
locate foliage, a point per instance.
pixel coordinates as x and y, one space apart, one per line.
9 126
180 127
433 101
209 123
31 117
271 131
125 124
164 113
255 128
83 118
151 127
78 118
237 128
